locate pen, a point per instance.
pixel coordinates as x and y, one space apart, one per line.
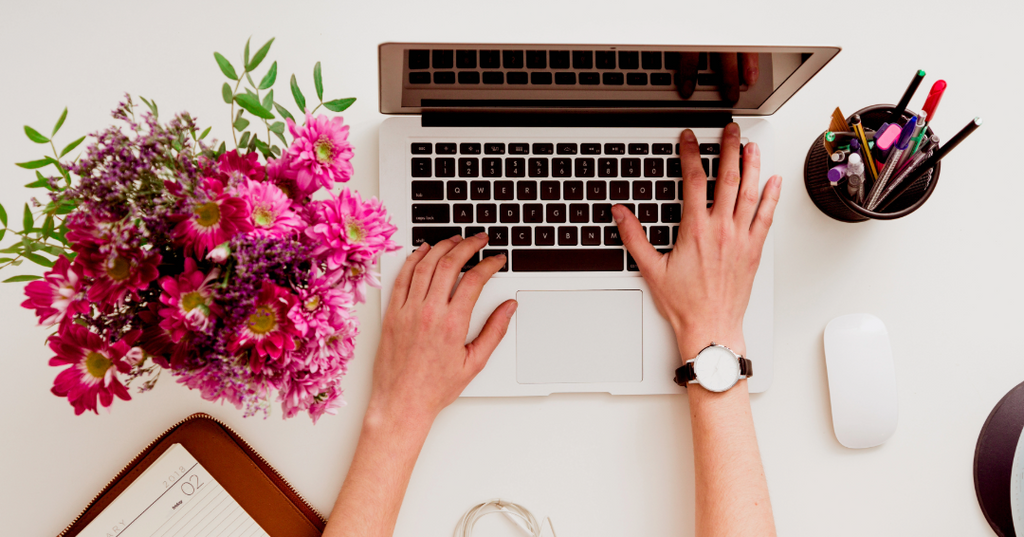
902 106
890 164
934 96
858 127
855 172
912 165
915 141
937 155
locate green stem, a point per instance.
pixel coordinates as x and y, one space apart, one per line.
317 108
232 124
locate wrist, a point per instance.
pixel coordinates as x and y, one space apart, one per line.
691 342
389 420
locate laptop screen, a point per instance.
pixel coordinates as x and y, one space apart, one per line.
438 77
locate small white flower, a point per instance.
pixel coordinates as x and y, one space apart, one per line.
219 254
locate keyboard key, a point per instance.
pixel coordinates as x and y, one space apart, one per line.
540 78
559 59
567 149
504 190
589 79
497 236
465 59
702 62
468 167
550 190
710 149
554 213
533 213
711 190
568 235
419 78
457 190
543 149
526 190
607 167
584 167
631 265
639 149
590 236
672 60
565 79
492 167
609 79
582 59
611 236
714 168
538 167
522 236
647 212
630 167
419 59
490 59
579 213
509 213
636 79
480 190
486 213
660 235
446 149
661 79
474 230
443 59
630 207
709 79
536 59
469 149
518 77
422 148
515 167
707 166
629 59
544 236
444 77
664 190
675 234
433 234
462 213
662 149
654 167
513 59
675 168
473 261
671 213
615 149
430 213
602 213
469 77
642 190
605 59
561 167
421 167
572 190
571 260
651 59
494 77
491 253
427 190
518 149
494 148
590 149
597 190
618 190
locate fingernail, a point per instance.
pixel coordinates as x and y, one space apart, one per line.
512 309
617 213
732 129
689 136
424 246
751 73
481 235
753 149
457 239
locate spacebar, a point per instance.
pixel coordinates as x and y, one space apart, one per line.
574 260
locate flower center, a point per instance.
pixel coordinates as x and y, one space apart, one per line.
263 216
354 230
192 300
208 214
324 150
312 303
263 321
118 268
96 364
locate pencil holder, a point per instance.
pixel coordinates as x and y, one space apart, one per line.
831 201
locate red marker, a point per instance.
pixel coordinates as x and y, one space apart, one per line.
934 96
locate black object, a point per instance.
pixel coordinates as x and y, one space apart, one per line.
993 460
686 374
833 202
905 100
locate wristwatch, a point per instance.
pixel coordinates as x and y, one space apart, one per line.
716 368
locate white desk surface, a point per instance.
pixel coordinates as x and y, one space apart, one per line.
947 280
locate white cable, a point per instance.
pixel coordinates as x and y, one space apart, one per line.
517 514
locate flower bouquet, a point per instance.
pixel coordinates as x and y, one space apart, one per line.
166 252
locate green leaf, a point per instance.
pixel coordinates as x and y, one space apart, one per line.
38 183
27 219
151 105
13 249
318 81
246 56
223 148
34 164
299 99
53 250
60 121
268 101
280 137
339 105
284 113
48 225
23 278
225 66
37 259
244 141
240 124
251 104
249 78
258 57
269 78
3 215
66 207
225 93
35 136
277 127
207 131
71 147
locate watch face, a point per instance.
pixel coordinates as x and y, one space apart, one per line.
716 368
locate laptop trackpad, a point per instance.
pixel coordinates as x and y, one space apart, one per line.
579 336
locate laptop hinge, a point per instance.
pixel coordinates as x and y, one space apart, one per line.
691 119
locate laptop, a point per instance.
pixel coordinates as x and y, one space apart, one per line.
533 144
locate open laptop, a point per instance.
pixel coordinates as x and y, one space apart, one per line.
533 144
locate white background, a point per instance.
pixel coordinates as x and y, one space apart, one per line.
946 280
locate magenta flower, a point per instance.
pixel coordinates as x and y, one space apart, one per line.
189 301
279 172
268 329
59 295
213 221
271 209
320 152
94 367
347 230
235 167
119 273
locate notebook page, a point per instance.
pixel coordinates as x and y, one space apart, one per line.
174 497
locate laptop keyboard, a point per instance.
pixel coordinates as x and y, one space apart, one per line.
547 205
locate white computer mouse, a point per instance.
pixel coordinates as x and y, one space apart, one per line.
861 380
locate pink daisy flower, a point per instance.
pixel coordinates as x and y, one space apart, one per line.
211 222
321 308
235 168
348 230
320 152
279 172
313 393
268 329
59 295
94 367
271 209
119 273
189 301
